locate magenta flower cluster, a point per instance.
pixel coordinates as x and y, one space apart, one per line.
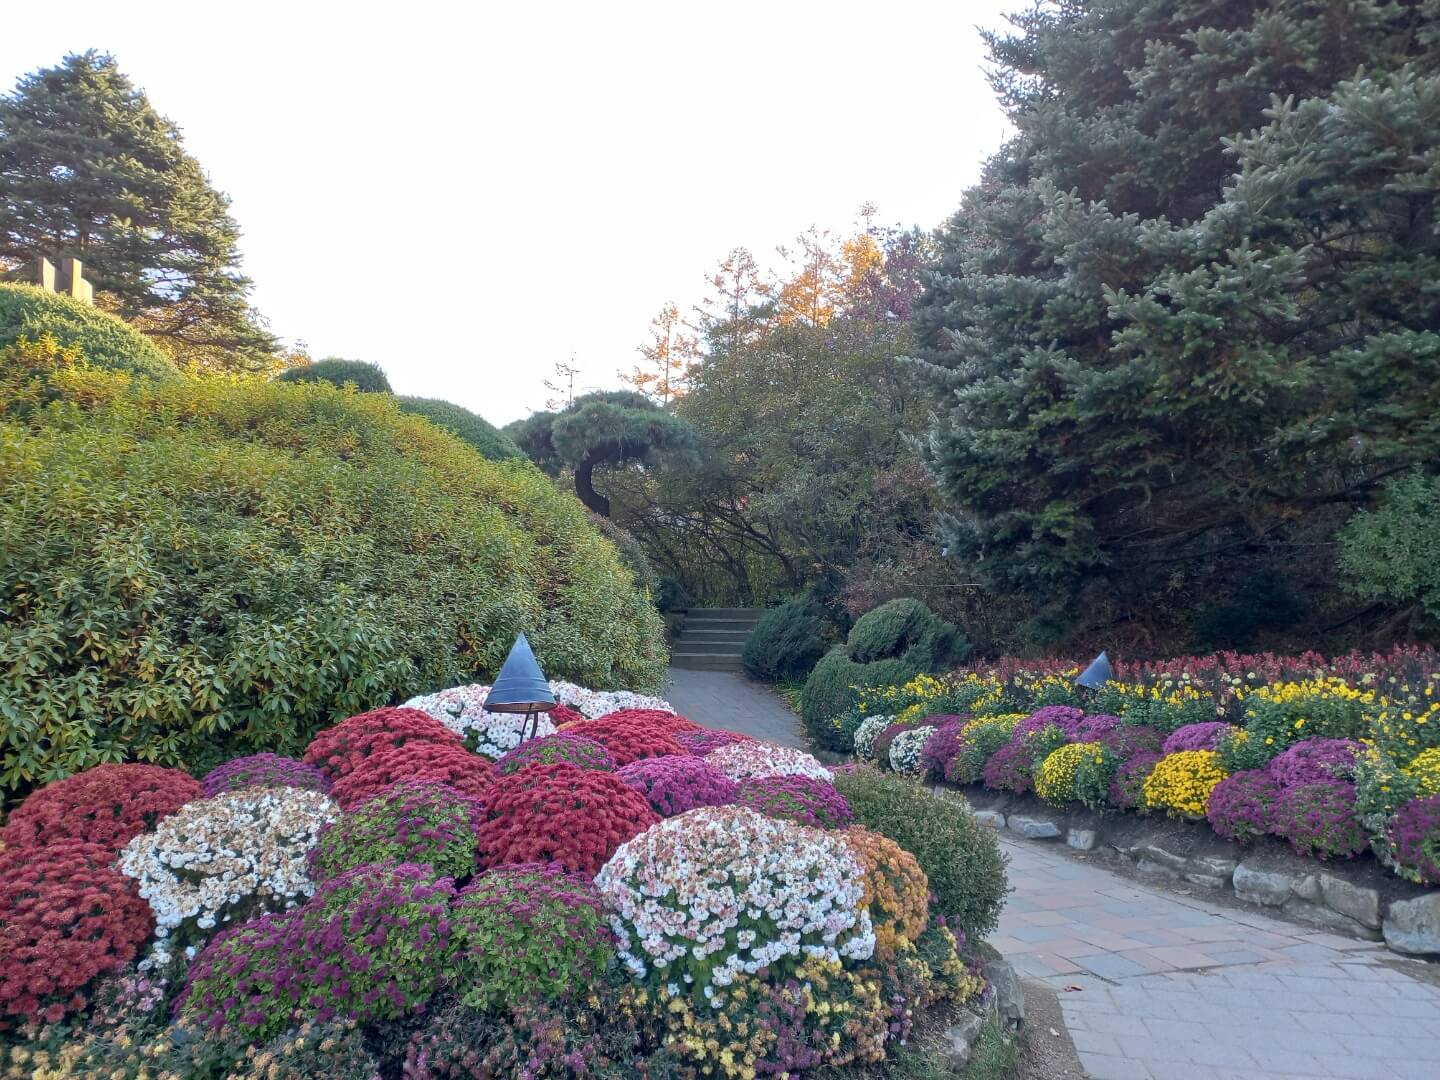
1206 736
1127 740
701 743
942 745
562 747
1094 727
1319 819
1242 806
1011 768
263 770
1314 760
801 799
1127 786
678 782
1415 838
1066 717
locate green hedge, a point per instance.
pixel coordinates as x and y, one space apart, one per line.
788 641
475 430
104 340
215 561
367 377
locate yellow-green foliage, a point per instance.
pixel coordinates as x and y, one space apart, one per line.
107 342
216 561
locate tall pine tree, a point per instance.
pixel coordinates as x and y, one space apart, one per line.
88 168
1187 323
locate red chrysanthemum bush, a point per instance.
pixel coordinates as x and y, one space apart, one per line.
106 805
443 763
65 918
338 750
558 813
671 722
561 715
627 737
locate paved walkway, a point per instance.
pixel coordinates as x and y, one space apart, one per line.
1172 986
721 699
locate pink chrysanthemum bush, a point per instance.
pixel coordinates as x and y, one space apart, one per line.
412 821
1320 819
106 805
705 740
1414 837
263 770
700 899
749 760
678 783
801 799
1242 806
560 748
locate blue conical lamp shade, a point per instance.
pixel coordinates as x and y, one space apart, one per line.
520 686
1097 674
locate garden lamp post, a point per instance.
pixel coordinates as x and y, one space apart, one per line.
521 687
1097 674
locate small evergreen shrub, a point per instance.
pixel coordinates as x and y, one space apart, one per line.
366 377
464 425
103 340
788 641
907 629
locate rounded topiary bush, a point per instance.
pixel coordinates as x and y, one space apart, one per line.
678 783
787 642
629 738
722 890
366 377
65 918
960 857
106 805
526 930
263 770
906 629
412 821
338 750
829 693
897 892
562 747
276 505
558 813
487 439
801 799
440 762
103 340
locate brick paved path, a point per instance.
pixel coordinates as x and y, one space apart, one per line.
721 699
1175 987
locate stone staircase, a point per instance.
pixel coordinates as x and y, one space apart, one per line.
712 639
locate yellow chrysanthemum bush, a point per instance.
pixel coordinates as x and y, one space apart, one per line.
1281 714
896 889
1055 777
1181 783
1424 770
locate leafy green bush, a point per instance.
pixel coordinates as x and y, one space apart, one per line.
830 697
234 561
103 340
367 377
475 430
1392 553
907 628
959 855
788 641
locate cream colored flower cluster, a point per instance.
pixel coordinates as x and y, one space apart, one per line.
905 749
753 760
593 703
721 891
227 858
462 710
869 730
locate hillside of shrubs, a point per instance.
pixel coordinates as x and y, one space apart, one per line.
419 893
196 567
1338 756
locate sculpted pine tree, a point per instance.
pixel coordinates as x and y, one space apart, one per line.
1182 328
88 168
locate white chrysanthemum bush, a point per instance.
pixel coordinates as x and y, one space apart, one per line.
592 703
462 710
905 750
755 760
719 892
225 860
869 730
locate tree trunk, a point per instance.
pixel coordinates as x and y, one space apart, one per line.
585 487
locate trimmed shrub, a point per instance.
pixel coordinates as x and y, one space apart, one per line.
65 918
563 747
788 641
1319 819
629 738
897 893
413 821
907 629
1242 806
103 340
960 857
1181 782
1414 837
558 813
528 930
338 750
830 693
465 425
263 770
366 377
801 799
677 783
249 573
420 759
106 805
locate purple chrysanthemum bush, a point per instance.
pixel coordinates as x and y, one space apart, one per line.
801 799
562 747
678 782
263 770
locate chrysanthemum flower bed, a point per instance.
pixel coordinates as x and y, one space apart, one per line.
1332 756
397 902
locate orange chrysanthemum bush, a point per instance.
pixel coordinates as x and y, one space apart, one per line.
65 918
441 763
558 813
627 737
338 750
897 891
106 805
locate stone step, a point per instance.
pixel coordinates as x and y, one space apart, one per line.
737 636
749 615
705 662
687 644
739 626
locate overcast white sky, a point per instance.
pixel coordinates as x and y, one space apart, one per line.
466 195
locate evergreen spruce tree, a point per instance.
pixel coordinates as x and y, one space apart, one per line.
1187 323
88 168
